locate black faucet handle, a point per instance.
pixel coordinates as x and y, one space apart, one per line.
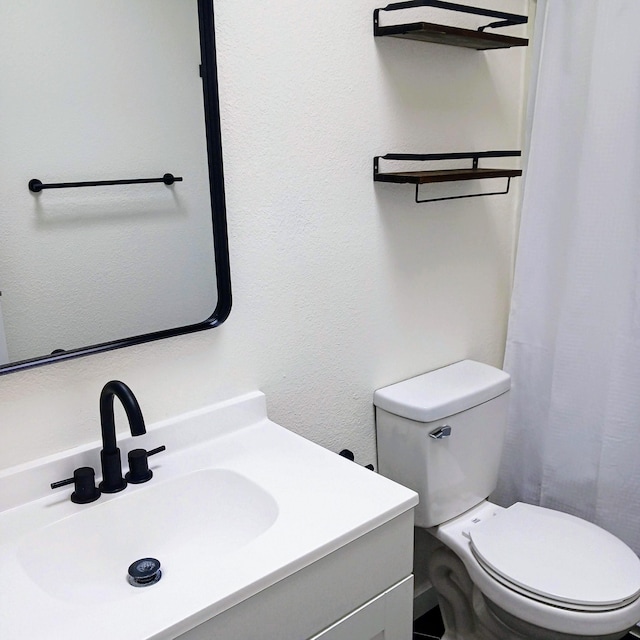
139 471
85 490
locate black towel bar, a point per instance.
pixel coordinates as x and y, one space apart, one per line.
36 185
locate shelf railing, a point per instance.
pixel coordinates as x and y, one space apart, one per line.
504 19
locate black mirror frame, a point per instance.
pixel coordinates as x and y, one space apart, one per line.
209 73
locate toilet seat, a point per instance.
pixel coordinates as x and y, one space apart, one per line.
556 559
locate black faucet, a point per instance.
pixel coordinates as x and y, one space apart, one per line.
112 480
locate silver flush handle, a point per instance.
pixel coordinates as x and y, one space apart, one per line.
441 432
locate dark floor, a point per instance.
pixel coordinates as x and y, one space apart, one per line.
430 626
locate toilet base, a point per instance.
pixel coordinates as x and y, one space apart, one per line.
468 615
522 628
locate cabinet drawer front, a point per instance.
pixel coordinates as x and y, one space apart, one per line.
387 617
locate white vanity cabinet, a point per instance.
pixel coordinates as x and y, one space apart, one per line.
262 535
362 591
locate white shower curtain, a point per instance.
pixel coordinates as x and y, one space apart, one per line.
573 345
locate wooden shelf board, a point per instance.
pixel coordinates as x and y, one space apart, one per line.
445 175
442 34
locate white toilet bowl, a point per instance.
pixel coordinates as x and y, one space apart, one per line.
575 581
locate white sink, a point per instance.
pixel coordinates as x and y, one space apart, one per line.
188 523
236 504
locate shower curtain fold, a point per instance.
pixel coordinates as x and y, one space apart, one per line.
573 344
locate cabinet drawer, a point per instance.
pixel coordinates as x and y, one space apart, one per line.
387 617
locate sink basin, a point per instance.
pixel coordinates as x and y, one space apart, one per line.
237 504
188 523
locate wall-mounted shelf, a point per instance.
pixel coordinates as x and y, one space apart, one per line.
455 36
446 175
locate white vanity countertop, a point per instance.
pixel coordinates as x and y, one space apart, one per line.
291 503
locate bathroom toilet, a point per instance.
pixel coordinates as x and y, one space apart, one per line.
520 572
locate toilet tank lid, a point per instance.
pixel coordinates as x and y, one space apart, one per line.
443 392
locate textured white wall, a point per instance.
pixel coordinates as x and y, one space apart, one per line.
340 286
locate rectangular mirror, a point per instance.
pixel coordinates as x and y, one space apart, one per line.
121 92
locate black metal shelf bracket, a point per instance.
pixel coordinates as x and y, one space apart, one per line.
37 186
503 19
500 24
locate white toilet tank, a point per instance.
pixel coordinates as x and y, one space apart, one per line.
441 434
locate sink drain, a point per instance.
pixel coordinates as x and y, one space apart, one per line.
144 572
